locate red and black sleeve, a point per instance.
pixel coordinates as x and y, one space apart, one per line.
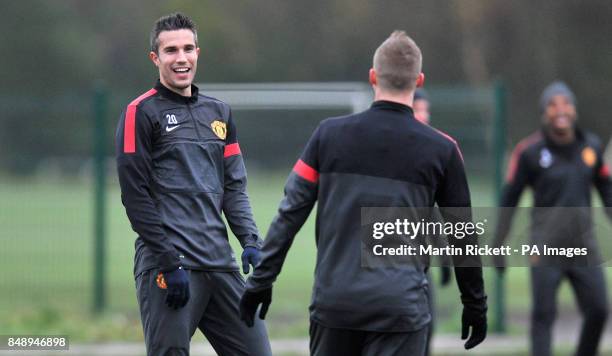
236 205
134 166
517 178
453 198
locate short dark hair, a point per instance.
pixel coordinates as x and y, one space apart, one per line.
175 21
398 62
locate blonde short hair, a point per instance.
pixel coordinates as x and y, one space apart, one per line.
397 62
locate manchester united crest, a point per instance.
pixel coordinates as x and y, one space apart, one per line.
589 157
161 281
219 128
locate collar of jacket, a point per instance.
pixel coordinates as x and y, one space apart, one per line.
169 94
579 139
392 105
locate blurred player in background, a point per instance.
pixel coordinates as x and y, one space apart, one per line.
421 106
180 169
379 157
561 163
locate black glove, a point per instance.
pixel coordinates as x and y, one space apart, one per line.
445 276
475 318
251 300
177 285
252 256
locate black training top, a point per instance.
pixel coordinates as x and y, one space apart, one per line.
381 157
561 176
180 168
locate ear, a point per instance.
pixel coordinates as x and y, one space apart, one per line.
154 58
198 51
420 80
372 77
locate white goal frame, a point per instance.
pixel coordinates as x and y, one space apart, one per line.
355 96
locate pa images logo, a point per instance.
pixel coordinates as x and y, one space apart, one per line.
219 128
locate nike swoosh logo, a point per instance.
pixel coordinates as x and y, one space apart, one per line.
168 128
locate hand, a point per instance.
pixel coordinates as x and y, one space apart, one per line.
475 318
252 256
249 303
499 261
445 276
177 285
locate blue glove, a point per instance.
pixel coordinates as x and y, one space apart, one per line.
177 284
252 256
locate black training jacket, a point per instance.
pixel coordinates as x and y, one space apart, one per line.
180 168
560 176
380 157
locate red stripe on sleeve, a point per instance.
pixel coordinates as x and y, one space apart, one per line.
516 154
129 130
231 150
513 164
305 171
451 139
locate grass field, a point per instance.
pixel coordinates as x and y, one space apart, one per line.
46 265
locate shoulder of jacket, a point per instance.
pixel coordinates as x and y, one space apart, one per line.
333 123
435 136
592 139
142 100
529 143
337 120
438 135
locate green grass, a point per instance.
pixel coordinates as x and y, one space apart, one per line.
46 264
47 251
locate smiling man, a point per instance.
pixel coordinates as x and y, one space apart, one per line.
561 163
180 169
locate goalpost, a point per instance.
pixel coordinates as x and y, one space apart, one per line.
354 96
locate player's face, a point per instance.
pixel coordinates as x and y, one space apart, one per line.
177 59
421 110
560 113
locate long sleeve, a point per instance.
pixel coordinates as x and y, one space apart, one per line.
453 198
516 181
236 205
134 166
300 196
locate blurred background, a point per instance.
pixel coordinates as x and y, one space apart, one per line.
65 64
